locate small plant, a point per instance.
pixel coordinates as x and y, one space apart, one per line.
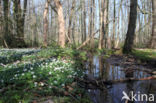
47 72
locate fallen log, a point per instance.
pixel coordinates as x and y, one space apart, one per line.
6 88
84 43
152 72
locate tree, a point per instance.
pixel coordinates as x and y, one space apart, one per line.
84 20
114 29
46 22
61 23
153 36
19 16
6 37
131 27
70 20
103 22
1 27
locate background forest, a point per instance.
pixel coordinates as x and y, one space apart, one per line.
34 23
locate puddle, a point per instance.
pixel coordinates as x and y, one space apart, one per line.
99 68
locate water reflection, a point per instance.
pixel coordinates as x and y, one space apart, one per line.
99 68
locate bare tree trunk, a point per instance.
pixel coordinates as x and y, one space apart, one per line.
107 27
19 16
131 27
7 37
114 31
46 22
1 27
153 36
103 16
92 24
70 20
23 17
61 23
101 37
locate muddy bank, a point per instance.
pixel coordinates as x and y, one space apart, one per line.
130 62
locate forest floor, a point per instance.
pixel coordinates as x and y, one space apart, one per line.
40 76
48 75
144 57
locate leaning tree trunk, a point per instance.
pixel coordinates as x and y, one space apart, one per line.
153 36
131 28
61 23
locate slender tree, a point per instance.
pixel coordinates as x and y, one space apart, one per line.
131 27
19 16
61 23
70 20
7 37
114 29
153 36
101 37
45 17
1 27
84 20
103 22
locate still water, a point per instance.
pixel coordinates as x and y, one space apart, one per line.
99 68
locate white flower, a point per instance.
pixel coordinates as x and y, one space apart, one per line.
35 83
22 74
55 82
34 76
31 68
50 73
41 83
62 85
69 76
15 75
32 72
2 81
25 70
75 73
57 68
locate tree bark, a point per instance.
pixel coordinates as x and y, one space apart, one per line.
1 27
103 23
7 37
70 20
114 29
61 23
45 16
84 21
153 36
23 18
131 28
101 37
19 16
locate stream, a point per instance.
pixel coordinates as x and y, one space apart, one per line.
141 90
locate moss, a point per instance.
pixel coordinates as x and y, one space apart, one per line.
144 54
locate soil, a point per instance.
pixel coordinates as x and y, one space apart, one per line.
129 62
